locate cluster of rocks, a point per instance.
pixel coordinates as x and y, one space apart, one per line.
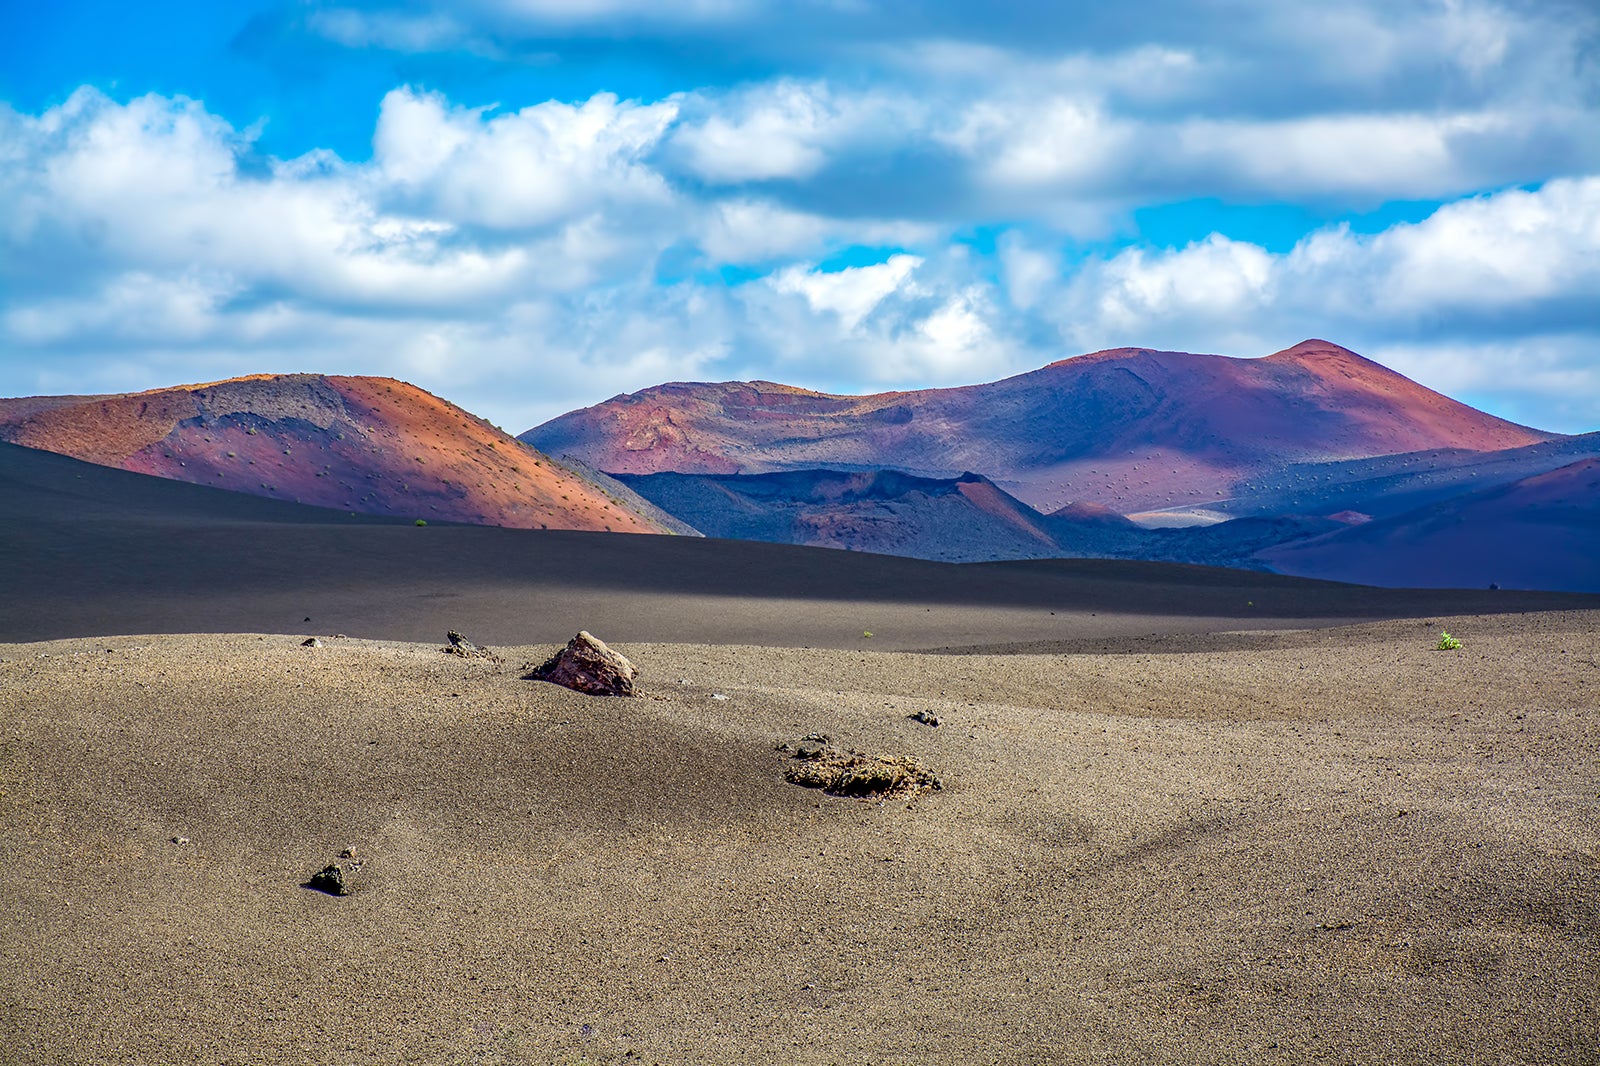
818 764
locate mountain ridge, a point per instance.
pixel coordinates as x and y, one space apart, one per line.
1132 429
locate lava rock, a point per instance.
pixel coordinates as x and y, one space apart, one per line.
311 642
926 718
587 665
338 878
460 645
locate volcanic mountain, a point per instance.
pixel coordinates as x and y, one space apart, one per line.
1130 429
358 444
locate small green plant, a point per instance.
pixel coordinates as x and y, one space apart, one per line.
867 633
422 521
1446 643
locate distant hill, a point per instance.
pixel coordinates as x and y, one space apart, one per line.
965 519
361 444
962 519
1541 532
1129 429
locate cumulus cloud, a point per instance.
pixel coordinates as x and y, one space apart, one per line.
530 168
851 293
1520 258
785 130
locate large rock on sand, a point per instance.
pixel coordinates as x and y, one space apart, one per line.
587 665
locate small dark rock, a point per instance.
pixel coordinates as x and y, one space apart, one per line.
818 738
809 751
926 718
460 645
337 878
311 642
587 665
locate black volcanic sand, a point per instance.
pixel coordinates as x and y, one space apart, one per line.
92 551
1171 829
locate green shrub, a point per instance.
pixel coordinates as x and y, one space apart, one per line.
422 522
1446 643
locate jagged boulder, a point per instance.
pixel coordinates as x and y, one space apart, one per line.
587 665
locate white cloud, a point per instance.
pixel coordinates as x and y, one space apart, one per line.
156 186
137 307
531 168
851 293
1369 157
1215 279
1514 249
786 130
1057 142
744 231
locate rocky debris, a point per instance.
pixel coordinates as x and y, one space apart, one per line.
180 840
460 645
311 642
854 773
587 665
926 718
338 878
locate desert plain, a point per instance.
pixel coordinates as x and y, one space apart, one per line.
1185 815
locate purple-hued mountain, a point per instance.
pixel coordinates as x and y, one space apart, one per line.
1129 429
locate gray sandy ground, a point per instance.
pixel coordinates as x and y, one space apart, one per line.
1333 845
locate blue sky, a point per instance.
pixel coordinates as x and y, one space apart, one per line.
527 206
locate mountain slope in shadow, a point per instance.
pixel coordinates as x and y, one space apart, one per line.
1538 532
